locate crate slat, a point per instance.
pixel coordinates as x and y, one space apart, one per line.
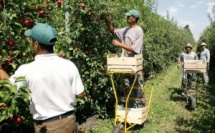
134 115
195 71
124 64
135 121
127 68
195 66
124 61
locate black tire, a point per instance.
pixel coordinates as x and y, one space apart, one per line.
118 129
192 102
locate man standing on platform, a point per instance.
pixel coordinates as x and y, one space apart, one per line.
131 42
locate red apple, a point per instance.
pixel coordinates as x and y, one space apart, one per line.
74 43
42 13
4 105
21 20
86 52
9 60
11 117
11 43
19 120
82 5
31 22
103 69
63 56
39 8
59 2
26 22
46 3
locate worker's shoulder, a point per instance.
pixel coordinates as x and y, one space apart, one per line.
207 50
66 61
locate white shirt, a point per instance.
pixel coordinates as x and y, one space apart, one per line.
54 83
205 55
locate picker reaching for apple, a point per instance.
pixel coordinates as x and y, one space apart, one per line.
131 38
54 83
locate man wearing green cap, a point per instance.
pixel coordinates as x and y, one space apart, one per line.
131 37
54 83
131 42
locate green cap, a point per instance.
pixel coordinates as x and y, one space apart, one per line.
134 13
43 33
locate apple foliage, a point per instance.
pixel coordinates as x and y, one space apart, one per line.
84 39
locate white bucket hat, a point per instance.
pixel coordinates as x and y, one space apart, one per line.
204 44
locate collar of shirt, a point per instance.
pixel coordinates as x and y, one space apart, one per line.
43 56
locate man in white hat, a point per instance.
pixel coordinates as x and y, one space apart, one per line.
205 55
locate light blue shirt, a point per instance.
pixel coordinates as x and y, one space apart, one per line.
205 55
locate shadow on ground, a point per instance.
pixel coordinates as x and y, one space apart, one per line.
176 95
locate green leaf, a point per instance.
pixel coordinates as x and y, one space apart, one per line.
25 90
3 116
4 82
14 89
20 79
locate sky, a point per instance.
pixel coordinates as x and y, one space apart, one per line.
188 12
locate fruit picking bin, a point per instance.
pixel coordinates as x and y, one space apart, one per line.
134 115
126 64
195 66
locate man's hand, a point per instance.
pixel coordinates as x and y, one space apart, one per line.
81 95
110 27
3 75
116 43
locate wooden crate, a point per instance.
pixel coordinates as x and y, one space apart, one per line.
195 66
135 115
124 64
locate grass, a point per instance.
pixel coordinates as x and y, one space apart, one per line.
168 113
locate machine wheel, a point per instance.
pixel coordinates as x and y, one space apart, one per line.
118 129
192 102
